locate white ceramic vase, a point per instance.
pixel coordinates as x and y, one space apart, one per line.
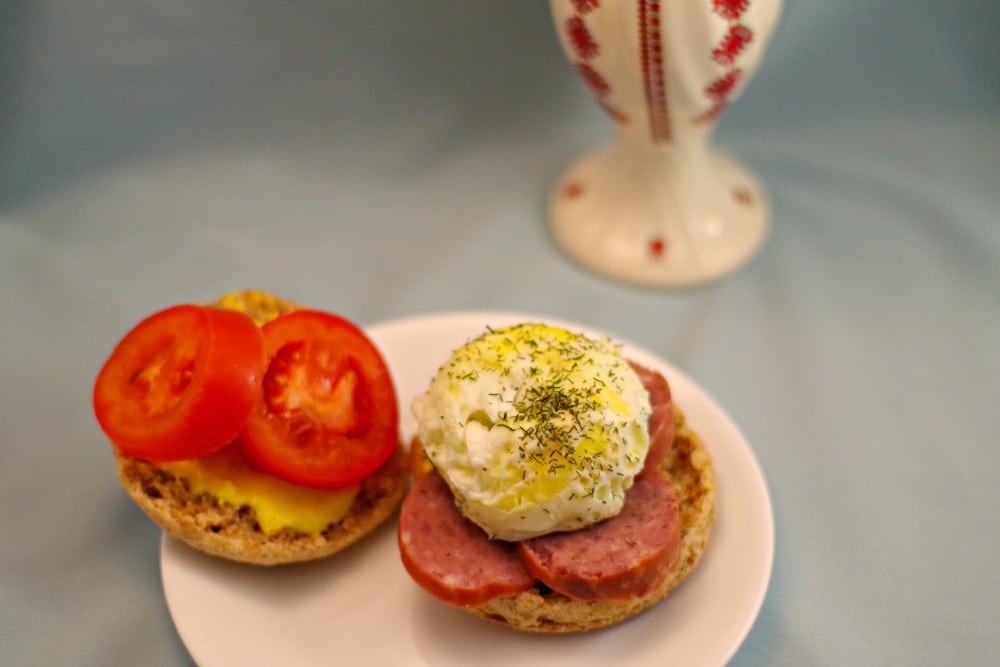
659 206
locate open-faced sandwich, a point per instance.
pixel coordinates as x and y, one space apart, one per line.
253 429
557 487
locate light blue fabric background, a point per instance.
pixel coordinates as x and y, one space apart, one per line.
383 159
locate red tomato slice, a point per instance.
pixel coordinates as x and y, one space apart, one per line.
327 417
181 384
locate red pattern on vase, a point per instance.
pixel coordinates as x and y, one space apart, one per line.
730 9
723 87
651 60
587 48
732 44
597 84
579 35
584 6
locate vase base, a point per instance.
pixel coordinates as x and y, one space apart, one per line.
643 222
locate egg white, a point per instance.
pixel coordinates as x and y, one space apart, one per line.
536 429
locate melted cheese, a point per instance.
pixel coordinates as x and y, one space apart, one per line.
230 477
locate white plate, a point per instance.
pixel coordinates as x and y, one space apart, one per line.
360 607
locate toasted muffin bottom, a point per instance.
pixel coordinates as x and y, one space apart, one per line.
232 532
540 610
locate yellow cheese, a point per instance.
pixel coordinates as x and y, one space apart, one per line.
261 307
230 477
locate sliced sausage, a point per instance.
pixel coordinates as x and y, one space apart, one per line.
449 556
625 556
662 426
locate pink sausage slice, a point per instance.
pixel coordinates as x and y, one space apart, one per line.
623 557
449 556
662 426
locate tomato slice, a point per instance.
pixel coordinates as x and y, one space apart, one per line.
327 417
181 384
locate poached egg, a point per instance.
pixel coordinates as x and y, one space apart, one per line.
536 429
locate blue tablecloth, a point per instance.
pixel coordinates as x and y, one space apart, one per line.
389 159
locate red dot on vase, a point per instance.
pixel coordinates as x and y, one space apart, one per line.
657 247
572 190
